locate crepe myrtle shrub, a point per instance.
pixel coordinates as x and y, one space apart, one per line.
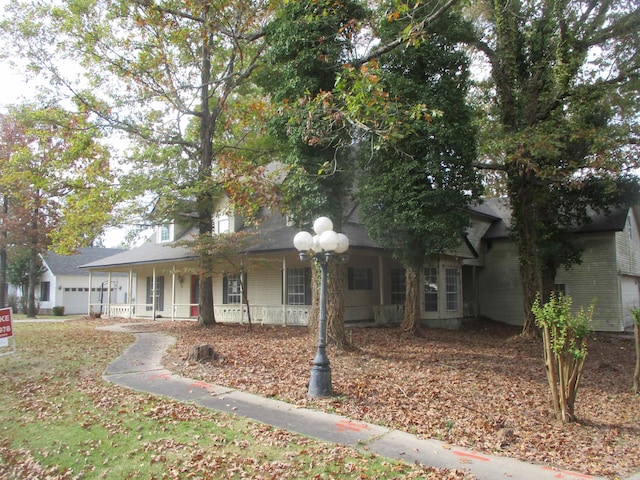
564 336
635 312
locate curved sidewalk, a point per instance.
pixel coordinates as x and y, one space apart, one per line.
140 368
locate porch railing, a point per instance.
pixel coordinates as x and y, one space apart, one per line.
260 314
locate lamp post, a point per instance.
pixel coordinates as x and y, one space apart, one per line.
321 246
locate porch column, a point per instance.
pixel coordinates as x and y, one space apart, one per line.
109 294
284 290
130 293
153 295
89 299
173 293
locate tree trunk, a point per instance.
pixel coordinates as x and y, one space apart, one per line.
411 321
336 284
525 229
636 375
33 280
3 257
206 316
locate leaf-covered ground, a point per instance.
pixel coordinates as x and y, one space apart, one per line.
62 421
483 388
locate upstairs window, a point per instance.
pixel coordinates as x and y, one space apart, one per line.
222 224
165 233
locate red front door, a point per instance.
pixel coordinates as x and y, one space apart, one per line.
195 294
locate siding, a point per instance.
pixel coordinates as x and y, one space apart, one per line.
499 284
628 247
596 277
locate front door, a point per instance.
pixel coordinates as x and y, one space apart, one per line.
195 294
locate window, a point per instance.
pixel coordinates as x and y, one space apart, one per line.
159 296
222 224
298 286
430 289
45 291
452 287
360 279
232 289
560 288
398 287
165 233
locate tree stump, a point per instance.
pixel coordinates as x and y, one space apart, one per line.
201 353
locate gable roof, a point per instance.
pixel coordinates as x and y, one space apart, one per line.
612 221
61 265
272 235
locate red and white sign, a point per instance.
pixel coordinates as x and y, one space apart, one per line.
6 324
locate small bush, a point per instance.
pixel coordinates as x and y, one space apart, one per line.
58 311
565 349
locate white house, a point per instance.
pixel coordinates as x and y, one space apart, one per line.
480 279
64 284
609 271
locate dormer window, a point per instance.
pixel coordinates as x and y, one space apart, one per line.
164 233
222 224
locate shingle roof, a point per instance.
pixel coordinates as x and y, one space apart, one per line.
70 264
148 252
613 221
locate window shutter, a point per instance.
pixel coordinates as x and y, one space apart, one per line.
245 289
307 286
225 290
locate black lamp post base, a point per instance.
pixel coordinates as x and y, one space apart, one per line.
320 382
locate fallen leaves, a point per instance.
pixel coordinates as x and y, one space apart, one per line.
482 388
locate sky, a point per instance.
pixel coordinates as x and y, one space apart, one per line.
13 89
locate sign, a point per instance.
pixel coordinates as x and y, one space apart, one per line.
6 323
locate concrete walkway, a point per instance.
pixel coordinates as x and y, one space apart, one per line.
140 368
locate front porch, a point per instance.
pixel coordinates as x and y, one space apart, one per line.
283 315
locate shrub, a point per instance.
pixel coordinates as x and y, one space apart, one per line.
564 336
58 311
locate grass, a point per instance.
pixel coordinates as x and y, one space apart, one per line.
64 421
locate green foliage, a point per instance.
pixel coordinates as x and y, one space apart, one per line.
57 177
555 126
58 311
635 313
308 44
565 349
568 330
415 189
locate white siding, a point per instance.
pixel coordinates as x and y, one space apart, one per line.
628 247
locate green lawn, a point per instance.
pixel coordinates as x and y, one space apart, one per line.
64 421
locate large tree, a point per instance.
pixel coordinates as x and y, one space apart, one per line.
309 42
171 75
57 182
415 191
561 120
